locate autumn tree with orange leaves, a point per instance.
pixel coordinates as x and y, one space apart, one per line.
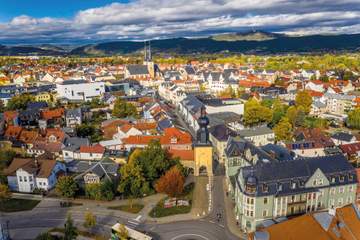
171 183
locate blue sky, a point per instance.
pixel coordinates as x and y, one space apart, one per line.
63 21
47 8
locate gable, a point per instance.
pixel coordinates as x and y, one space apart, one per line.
318 179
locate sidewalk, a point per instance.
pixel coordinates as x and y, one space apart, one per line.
230 215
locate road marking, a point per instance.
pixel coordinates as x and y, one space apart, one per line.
138 218
186 235
211 221
222 226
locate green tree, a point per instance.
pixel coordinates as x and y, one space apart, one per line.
255 113
20 102
283 130
279 110
124 109
89 220
70 232
85 130
303 99
324 78
353 120
66 187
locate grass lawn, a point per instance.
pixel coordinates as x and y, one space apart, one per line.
136 208
159 210
16 205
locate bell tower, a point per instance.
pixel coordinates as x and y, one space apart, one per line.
203 150
148 59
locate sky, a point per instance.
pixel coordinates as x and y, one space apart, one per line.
72 21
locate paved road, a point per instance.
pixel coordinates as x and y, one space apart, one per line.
27 225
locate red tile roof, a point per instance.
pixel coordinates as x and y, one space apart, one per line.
92 149
51 114
351 148
184 155
10 115
13 131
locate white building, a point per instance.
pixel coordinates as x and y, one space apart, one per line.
80 90
27 174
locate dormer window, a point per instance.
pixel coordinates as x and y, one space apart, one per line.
351 177
293 185
279 187
265 188
333 179
173 140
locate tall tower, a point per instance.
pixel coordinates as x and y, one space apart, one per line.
203 150
148 59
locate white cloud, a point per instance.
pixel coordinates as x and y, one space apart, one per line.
167 18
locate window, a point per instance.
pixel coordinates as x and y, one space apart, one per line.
332 179
265 213
293 185
351 177
265 188
341 190
20 178
25 179
340 201
332 191
265 200
30 179
279 187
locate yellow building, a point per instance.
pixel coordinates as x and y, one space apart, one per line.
44 97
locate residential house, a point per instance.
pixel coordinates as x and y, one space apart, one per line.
219 136
73 117
340 138
28 174
310 142
258 135
91 153
352 152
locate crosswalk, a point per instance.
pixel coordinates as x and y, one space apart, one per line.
133 223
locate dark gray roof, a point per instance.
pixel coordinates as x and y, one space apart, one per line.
238 146
223 118
190 70
137 69
76 112
221 132
74 143
102 168
342 136
279 152
36 105
70 82
298 171
192 104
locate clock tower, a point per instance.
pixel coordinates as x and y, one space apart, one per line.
202 148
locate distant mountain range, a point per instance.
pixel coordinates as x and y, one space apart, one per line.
256 42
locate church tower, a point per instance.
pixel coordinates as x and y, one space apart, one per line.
148 59
203 150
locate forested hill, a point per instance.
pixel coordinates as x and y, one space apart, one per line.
274 44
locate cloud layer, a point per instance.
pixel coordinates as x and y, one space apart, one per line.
148 19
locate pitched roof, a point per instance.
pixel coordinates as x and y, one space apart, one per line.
221 132
184 155
350 149
51 114
42 169
342 136
92 149
13 131
137 69
28 136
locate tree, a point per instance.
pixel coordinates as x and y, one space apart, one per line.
303 99
283 130
123 109
20 101
279 110
100 191
256 114
122 232
85 130
70 232
66 187
172 183
45 236
324 78
89 220
5 193
353 120
144 168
